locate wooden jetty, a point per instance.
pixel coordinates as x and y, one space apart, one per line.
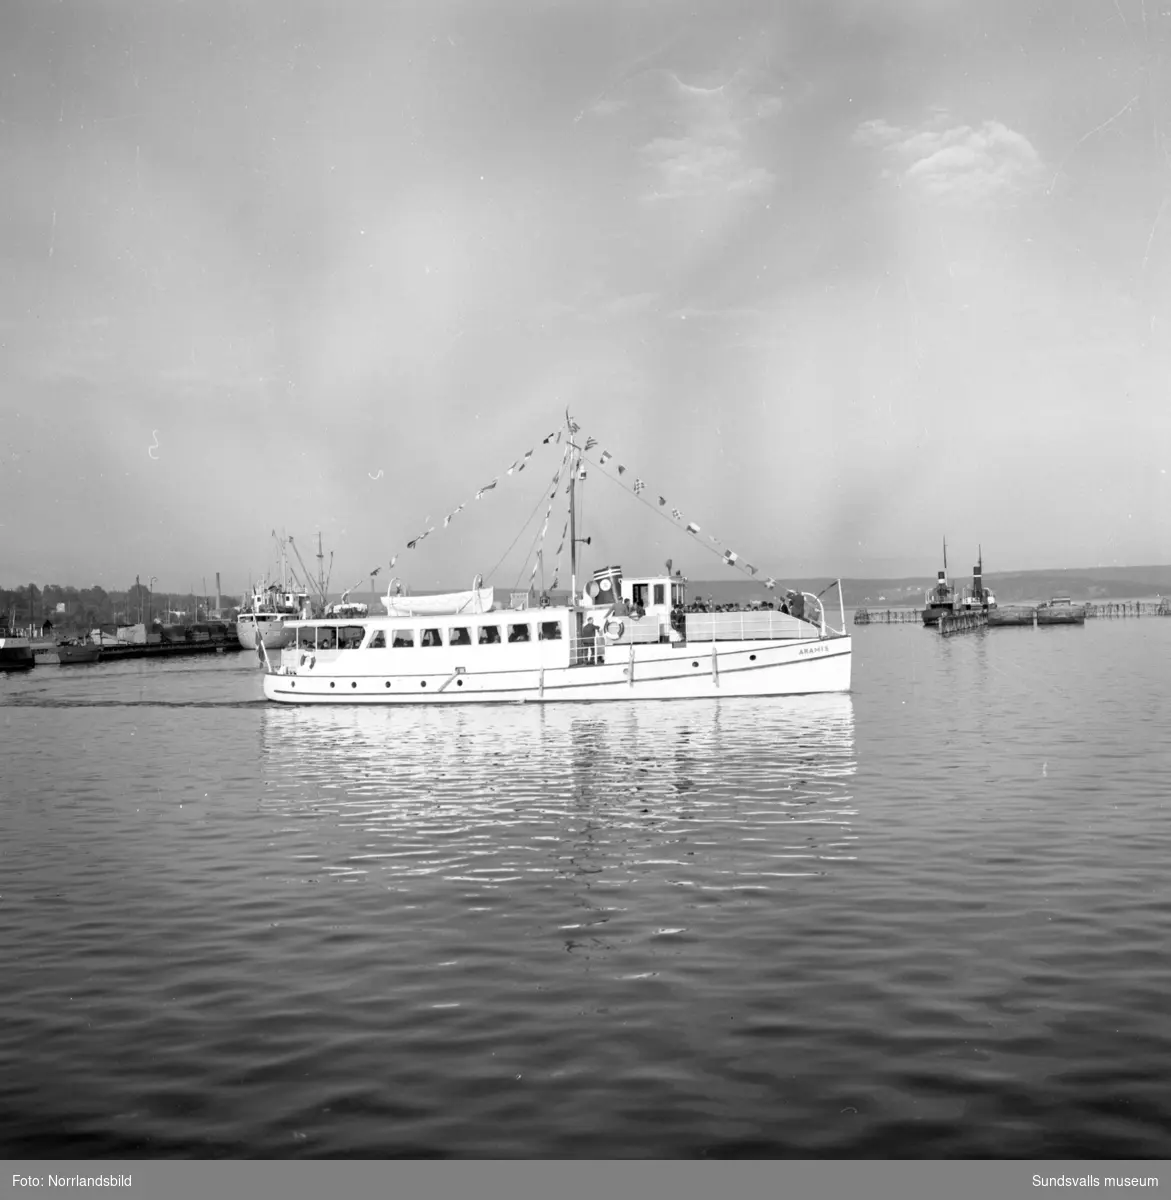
962 622
1129 608
888 616
1028 614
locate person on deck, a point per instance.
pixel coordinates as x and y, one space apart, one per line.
589 641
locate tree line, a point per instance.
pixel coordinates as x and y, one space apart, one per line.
78 610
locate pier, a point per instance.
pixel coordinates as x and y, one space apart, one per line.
1130 608
1024 614
962 622
888 616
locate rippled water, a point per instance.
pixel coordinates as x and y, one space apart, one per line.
928 919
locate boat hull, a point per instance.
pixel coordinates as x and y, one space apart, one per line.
72 655
45 654
16 658
254 628
652 672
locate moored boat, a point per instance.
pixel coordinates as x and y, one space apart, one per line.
16 652
71 653
977 598
941 597
263 619
1061 610
617 639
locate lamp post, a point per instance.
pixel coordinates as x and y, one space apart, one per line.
150 599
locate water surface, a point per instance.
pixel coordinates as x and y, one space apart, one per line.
927 919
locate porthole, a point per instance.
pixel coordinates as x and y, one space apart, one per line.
354 684
333 684
752 658
294 683
388 683
423 683
695 664
459 683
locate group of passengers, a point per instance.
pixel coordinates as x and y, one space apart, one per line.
792 604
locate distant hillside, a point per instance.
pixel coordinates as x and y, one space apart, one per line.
1009 587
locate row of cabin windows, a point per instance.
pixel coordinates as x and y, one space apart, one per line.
640 591
349 637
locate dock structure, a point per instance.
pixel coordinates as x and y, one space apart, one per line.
888 616
962 622
1027 614
1130 608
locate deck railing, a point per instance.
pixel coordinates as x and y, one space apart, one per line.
766 624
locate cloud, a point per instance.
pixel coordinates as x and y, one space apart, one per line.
606 108
954 162
710 150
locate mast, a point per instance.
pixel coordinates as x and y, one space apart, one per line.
572 518
320 569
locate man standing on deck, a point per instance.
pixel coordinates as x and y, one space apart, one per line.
589 641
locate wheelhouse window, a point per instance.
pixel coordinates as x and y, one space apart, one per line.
519 633
327 637
403 637
350 637
677 595
431 638
489 635
638 595
460 637
550 631
377 641
660 593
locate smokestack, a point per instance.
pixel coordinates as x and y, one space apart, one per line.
217 594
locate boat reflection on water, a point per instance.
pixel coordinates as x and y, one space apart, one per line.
739 790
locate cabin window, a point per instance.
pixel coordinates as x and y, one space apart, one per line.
307 640
519 633
460 637
378 641
403 637
660 593
677 595
550 631
489 635
431 638
638 595
350 637
327 637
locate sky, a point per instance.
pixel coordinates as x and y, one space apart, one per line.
836 279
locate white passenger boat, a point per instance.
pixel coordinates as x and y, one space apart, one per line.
618 639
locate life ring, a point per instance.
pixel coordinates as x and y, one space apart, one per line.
608 631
